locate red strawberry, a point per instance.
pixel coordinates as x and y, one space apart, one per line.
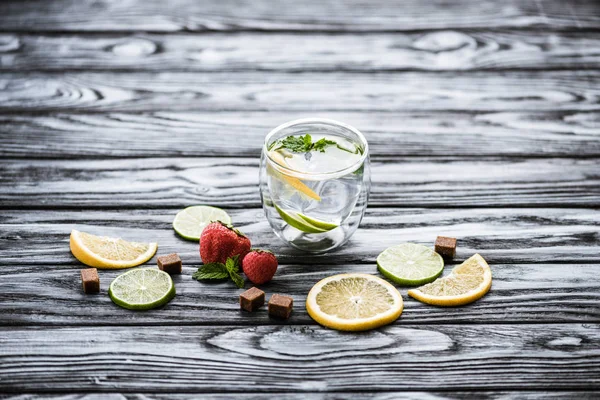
219 241
259 266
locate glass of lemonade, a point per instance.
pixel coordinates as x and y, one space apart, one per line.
314 182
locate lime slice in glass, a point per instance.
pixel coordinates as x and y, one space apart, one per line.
142 289
190 222
304 223
410 264
320 224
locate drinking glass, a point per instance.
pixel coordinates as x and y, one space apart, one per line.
314 200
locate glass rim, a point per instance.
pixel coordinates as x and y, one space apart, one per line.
292 172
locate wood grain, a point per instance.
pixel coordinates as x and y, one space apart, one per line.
538 134
304 15
540 261
540 293
430 51
305 358
308 92
502 235
233 182
387 395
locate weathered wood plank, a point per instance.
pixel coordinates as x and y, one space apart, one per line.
388 395
430 51
309 92
178 182
47 295
389 134
296 359
501 235
40 279
305 15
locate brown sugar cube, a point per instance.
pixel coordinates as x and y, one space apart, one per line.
90 280
445 246
252 299
280 306
170 263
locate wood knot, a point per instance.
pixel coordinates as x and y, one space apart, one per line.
444 41
134 48
9 43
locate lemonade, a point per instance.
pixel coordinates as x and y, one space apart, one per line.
314 182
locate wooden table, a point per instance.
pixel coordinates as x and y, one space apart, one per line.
483 119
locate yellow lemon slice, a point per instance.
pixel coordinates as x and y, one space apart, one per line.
109 253
466 283
354 302
290 180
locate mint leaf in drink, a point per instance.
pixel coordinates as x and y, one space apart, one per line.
297 144
303 144
321 144
211 271
307 141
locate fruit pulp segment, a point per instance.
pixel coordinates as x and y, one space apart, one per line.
463 279
113 248
141 286
354 298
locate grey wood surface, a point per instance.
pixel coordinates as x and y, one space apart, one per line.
195 134
429 50
483 121
292 15
229 181
390 395
574 90
272 358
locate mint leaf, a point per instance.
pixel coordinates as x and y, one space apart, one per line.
321 144
307 141
297 144
220 271
211 271
304 144
237 279
233 269
232 264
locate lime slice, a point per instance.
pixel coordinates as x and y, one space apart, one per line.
410 264
190 222
320 224
304 223
142 289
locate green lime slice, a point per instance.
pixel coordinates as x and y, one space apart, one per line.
142 289
410 264
320 224
190 222
304 223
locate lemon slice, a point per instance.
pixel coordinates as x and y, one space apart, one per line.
466 283
354 302
290 180
190 222
410 264
109 253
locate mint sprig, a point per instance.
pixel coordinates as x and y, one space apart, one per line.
220 271
304 144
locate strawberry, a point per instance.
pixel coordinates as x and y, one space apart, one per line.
219 242
259 266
